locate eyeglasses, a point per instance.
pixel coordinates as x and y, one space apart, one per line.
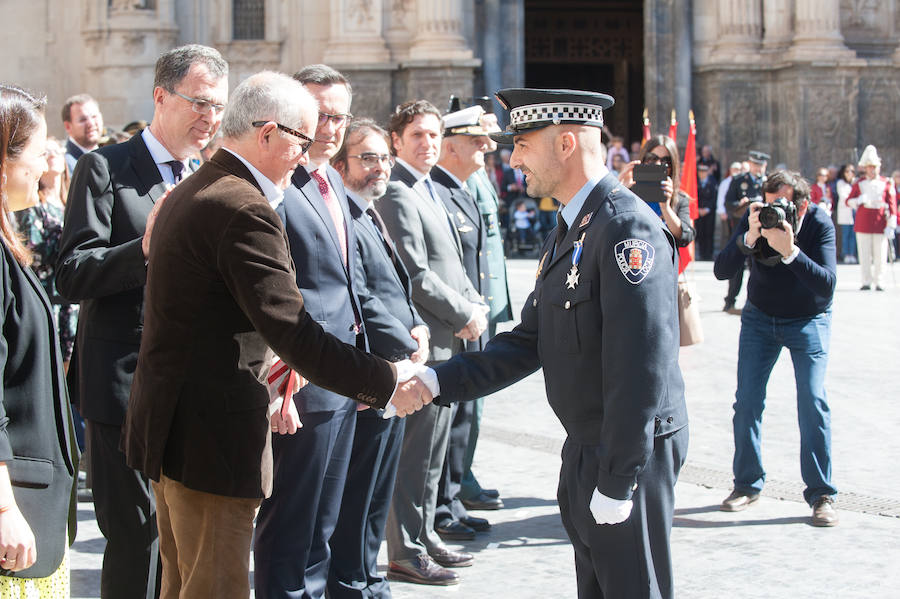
652 158
339 120
304 146
201 106
371 159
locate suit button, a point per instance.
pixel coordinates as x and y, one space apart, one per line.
482 275
534 303
670 419
481 253
568 304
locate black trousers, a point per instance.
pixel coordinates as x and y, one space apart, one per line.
631 559
126 514
737 280
364 508
449 507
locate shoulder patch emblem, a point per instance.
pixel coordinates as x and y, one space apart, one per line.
635 259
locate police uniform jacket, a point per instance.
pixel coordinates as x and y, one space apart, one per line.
608 345
742 186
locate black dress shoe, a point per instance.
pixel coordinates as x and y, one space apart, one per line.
454 530
483 502
476 524
451 559
491 493
865 288
421 570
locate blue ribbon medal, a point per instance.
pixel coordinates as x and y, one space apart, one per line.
572 277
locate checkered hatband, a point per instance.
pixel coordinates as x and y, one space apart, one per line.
528 115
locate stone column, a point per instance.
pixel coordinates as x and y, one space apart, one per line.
356 33
777 22
740 30
817 31
439 32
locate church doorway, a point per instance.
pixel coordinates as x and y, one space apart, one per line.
593 45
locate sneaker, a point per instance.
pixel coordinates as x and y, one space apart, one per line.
823 512
738 501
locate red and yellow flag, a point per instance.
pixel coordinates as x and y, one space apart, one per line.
673 127
689 186
645 130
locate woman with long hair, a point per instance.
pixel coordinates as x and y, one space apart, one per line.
41 228
846 214
676 210
38 458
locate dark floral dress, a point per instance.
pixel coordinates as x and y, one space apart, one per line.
41 227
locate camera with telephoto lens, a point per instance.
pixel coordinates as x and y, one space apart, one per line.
772 215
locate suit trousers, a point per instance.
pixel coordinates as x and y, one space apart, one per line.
295 524
630 559
204 542
449 507
737 279
126 514
410 525
364 509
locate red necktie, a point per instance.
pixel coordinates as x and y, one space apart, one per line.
334 208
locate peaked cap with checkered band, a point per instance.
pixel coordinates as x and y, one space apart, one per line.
531 109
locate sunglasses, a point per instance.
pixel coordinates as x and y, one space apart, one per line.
305 143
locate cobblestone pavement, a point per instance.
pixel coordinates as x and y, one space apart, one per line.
767 551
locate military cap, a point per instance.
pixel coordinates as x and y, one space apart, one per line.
531 109
758 157
464 122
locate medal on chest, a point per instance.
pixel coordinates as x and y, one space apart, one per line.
577 249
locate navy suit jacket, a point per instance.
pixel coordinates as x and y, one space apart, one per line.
73 153
324 281
385 295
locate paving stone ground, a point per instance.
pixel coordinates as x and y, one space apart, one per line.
768 551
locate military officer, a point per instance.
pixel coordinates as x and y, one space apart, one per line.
744 189
602 322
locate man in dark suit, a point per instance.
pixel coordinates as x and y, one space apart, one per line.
394 331
198 423
429 246
295 524
707 192
602 322
84 127
102 264
462 153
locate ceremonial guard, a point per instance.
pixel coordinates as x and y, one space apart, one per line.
744 189
602 322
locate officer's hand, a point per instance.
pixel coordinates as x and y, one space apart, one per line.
607 510
753 232
781 239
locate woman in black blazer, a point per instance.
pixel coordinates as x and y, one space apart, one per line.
38 458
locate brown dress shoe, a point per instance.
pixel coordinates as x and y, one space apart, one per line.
824 513
738 501
421 570
451 559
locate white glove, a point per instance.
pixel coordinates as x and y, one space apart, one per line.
607 510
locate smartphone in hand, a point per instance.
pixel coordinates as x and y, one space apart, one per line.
648 180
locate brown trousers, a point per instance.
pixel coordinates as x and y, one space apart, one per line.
204 542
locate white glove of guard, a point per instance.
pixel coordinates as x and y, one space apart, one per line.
607 510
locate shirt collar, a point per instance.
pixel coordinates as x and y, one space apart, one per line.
158 151
273 193
570 211
79 146
419 175
358 200
453 177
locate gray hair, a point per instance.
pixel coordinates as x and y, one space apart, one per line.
324 75
266 96
172 66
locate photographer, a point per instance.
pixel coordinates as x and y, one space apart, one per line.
792 279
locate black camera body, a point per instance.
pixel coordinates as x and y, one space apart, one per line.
781 210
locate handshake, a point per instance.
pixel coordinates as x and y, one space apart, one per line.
411 394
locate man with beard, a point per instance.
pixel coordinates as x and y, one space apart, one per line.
84 126
395 331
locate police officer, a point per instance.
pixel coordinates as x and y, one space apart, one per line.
602 322
744 189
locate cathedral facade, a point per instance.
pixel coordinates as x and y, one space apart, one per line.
808 81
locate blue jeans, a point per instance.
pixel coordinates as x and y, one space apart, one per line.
848 241
761 339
